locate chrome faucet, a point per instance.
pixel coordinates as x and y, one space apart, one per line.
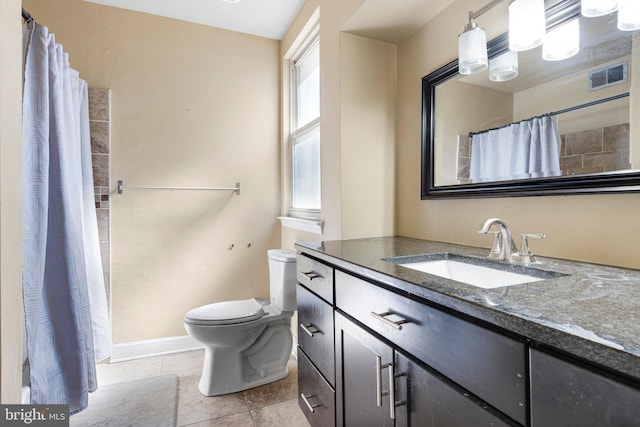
507 246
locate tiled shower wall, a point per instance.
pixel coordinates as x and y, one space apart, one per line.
596 150
591 151
99 122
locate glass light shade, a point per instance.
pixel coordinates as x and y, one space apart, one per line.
472 51
593 8
629 15
504 67
562 42
526 24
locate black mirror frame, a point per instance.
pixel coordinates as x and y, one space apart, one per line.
604 183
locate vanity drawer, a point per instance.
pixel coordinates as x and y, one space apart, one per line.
315 331
316 276
486 363
316 398
564 394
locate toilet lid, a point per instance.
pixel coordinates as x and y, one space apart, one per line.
283 255
226 312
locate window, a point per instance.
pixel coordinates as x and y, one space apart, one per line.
305 130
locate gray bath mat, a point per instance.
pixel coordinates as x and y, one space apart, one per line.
149 402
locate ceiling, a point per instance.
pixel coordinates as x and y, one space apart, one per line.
264 18
393 20
386 20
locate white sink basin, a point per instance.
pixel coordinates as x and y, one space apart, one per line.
471 274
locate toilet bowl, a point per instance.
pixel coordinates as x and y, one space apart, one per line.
247 342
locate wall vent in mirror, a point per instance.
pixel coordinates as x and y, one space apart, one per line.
609 76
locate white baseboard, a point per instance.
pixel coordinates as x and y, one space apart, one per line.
159 346
153 347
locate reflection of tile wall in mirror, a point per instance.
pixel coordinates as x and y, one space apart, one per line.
596 150
464 159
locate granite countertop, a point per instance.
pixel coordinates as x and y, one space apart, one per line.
590 311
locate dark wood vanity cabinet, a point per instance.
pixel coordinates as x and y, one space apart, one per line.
315 331
486 363
353 369
315 276
361 359
431 402
564 394
316 360
377 385
370 355
316 396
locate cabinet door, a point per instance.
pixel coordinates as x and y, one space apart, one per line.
315 395
433 403
567 395
360 361
488 364
315 276
315 331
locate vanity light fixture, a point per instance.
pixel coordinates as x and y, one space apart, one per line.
504 67
628 11
526 29
472 49
629 15
593 8
526 24
562 42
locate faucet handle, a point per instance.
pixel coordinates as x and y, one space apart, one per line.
496 247
524 255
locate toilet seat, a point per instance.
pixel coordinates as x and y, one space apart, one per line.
226 313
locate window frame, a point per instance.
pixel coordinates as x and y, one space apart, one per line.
312 40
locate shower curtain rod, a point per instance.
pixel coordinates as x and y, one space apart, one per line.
121 187
26 16
554 113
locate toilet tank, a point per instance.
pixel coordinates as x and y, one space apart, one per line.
282 278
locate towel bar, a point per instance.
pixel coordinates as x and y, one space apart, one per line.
121 187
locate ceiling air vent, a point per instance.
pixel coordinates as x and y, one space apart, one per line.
604 77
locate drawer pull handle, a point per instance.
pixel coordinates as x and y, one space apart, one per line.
310 275
392 387
309 331
382 317
305 399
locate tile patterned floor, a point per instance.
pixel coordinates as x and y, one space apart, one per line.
270 405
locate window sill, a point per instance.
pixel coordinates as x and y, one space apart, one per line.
308 225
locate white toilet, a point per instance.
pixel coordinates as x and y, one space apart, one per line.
247 342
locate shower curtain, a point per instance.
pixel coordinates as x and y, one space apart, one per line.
66 315
528 149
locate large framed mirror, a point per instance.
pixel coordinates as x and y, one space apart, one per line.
587 100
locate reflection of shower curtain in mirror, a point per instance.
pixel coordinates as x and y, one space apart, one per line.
528 149
66 318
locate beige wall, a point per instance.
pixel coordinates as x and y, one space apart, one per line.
597 228
10 202
368 78
191 106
